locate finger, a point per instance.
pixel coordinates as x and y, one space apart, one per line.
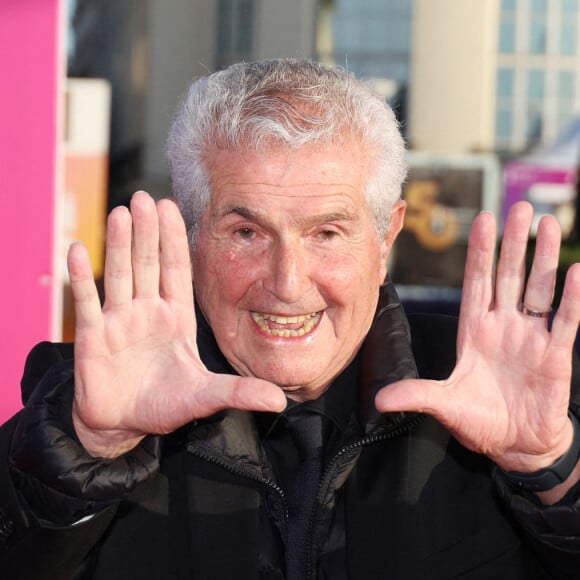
477 292
511 267
233 392
422 396
565 324
432 398
118 279
86 298
175 264
478 278
145 255
542 279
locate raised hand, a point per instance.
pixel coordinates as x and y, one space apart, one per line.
137 368
509 392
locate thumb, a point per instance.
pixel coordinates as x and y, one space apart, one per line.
243 393
420 395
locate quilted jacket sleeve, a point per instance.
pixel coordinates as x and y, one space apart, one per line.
56 500
554 530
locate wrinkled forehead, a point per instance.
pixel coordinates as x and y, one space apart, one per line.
344 149
341 162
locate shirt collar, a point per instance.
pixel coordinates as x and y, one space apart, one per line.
337 403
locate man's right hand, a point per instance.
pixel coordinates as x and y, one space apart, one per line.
137 367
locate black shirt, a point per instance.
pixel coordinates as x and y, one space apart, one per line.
298 443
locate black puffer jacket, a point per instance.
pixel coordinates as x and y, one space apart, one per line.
403 500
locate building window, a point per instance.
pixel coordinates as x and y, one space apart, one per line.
504 107
505 82
539 6
538 37
569 27
504 128
568 39
566 85
567 97
372 38
507 37
235 30
538 26
536 85
535 105
534 125
507 27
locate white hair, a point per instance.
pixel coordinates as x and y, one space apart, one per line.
288 103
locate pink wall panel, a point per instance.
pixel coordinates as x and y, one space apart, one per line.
30 70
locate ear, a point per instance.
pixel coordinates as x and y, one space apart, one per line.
395 227
397 222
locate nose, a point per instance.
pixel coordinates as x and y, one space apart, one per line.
289 275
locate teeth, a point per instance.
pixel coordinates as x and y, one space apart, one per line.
284 319
308 322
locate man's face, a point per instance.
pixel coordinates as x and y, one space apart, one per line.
287 266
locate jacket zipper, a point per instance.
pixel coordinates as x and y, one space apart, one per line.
380 434
201 451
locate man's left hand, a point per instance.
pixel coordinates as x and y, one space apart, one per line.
509 393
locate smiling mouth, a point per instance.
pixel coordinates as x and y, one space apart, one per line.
286 326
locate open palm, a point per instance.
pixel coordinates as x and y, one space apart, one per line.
509 392
137 368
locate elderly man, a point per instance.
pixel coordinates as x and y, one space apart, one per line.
289 421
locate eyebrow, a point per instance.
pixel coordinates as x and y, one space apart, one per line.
242 211
260 216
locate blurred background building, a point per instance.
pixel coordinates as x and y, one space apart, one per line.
494 75
483 90
487 93
499 76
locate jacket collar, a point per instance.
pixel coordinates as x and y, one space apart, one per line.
386 356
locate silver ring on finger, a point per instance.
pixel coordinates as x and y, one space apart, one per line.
535 313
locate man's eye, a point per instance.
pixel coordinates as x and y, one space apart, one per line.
246 233
327 234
